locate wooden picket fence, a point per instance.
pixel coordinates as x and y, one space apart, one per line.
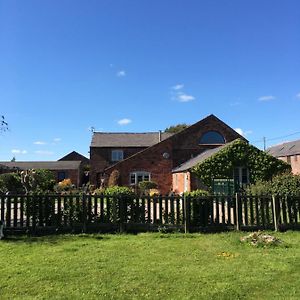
45 214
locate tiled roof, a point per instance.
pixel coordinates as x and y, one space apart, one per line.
285 149
74 156
197 159
49 165
125 139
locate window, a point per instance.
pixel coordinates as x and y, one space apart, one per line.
61 175
116 155
136 177
241 176
288 159
212 137
296 158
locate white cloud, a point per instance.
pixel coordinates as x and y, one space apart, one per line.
121 73
18 151
298 96
242 132
56 140
44 152
266 98
124 121
182 97
177 87
40 143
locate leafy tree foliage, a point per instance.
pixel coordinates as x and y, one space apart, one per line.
281 185
3 124
176 128
11 182
239 153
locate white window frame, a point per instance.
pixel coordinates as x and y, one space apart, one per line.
117 155
136 174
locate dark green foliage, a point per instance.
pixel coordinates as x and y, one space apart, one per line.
11 182
145 186
45 180
239 153
281 185
3 124
198 202
116 194
176 128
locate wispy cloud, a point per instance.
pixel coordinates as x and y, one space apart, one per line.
178 87
266 98
298 96
121 73
44 152
18 151
236 103
182 97
40 143
177 94
56 140
124 121
242 132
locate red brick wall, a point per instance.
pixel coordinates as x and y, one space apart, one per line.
294 161
178 182
180 147
152 161
100 158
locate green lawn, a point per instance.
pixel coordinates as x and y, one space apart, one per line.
149 266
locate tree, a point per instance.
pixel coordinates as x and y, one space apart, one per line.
3 124
176 128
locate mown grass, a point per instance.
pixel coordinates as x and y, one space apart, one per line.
149 266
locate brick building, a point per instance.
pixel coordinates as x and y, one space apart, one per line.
288 152
153 156
71 166
60 169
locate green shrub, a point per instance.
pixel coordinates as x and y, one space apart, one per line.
197 193
281 185
11 182
145 186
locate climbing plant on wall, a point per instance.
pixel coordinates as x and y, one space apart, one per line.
239 153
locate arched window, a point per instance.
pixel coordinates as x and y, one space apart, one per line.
212 137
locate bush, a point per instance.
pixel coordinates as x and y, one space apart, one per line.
146 186
65 185
11 182
197 193
281 185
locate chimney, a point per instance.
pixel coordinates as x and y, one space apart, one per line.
159 136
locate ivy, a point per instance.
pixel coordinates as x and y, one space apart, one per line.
239 153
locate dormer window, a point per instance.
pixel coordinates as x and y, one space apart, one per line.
212 138
117 155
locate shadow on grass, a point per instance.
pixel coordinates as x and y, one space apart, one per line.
52 239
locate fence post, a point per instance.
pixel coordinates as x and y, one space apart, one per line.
84 212
123 214
186 214
237 208
275 213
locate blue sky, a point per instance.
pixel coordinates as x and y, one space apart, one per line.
136 65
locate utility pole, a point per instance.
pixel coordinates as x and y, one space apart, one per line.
264 139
